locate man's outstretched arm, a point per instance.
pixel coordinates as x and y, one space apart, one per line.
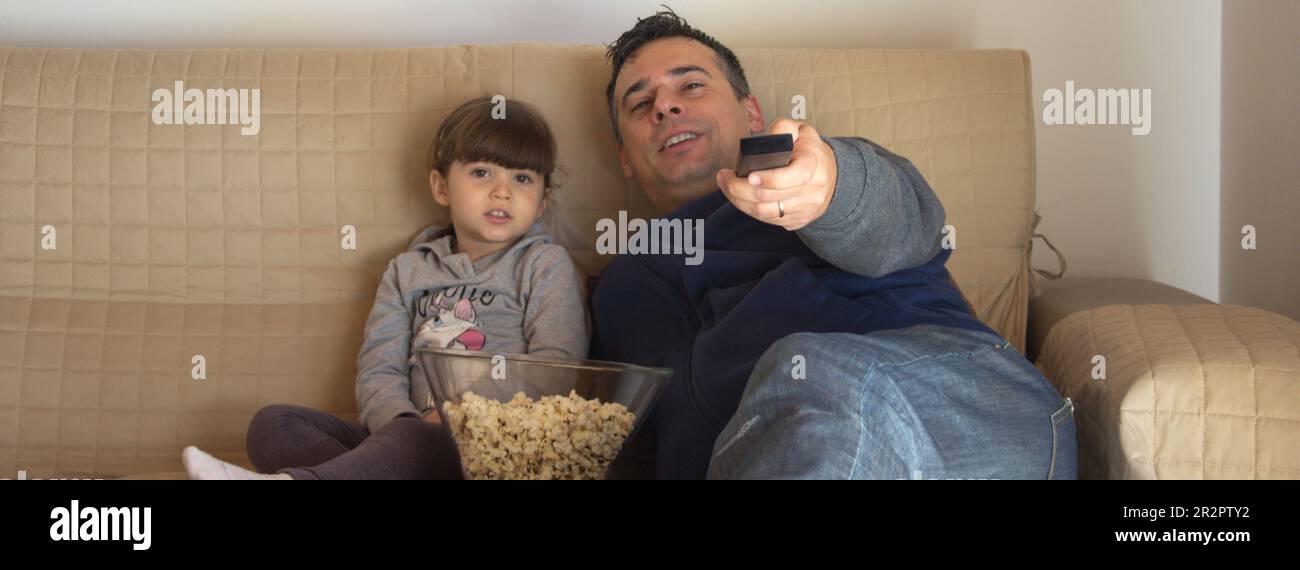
883 216
860 207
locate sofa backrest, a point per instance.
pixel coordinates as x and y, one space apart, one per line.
179 240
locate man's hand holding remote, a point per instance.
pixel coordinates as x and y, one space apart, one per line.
791 196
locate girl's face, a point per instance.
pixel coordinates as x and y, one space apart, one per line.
491 205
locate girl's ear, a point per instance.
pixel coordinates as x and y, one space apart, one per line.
438 185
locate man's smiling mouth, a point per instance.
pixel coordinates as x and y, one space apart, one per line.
678 139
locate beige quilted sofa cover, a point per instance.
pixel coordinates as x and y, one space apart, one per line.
1189 392
178 240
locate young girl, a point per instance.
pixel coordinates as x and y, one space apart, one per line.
491 281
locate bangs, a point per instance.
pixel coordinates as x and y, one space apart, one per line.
521 140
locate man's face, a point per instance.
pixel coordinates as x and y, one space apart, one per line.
675 91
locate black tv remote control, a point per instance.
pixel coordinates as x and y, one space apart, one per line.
764 151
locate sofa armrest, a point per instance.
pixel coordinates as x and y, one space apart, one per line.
1180 392
1061 298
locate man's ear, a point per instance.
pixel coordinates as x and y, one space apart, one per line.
438 185
622 159
753 115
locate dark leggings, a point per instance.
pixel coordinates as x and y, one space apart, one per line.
310 444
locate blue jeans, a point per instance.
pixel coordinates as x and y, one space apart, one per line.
924 402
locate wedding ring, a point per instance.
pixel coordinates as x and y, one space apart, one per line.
780 206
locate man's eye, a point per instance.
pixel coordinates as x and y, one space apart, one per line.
637 106
694 83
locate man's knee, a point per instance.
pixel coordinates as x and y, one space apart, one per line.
791 356
839 353
903 399
790 346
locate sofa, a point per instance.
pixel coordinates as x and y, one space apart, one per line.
159 283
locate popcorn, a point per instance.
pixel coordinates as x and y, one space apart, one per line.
555 437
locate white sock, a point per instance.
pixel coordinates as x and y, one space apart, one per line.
202 466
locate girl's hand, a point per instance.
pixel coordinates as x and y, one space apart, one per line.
432 417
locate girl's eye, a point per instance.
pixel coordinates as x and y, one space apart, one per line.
523 179
476 171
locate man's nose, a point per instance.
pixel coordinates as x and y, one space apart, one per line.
665 106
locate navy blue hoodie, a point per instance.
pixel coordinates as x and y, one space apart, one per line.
758 283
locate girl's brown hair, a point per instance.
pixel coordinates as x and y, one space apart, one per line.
521 139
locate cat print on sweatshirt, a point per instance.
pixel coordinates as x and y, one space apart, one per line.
453 325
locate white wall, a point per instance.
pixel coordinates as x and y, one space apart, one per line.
1118 205
403 23
1261 135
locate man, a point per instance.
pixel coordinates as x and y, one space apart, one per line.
821 337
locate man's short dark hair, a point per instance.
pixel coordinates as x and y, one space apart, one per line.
667 24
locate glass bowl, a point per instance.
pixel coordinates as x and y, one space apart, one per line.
450 373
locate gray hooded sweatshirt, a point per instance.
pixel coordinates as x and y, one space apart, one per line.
526 298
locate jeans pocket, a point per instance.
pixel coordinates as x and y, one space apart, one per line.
1065 451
